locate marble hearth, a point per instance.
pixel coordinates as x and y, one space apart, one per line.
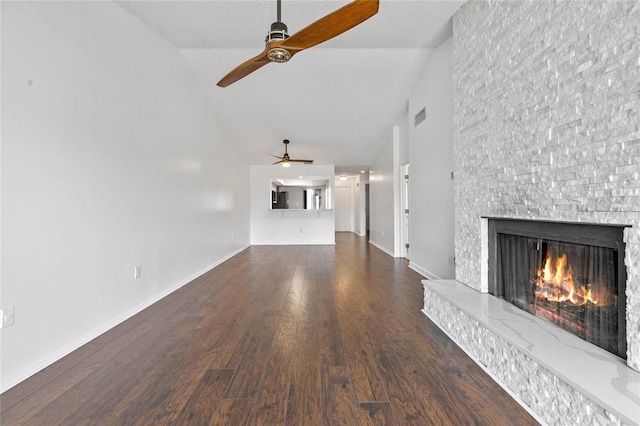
558 377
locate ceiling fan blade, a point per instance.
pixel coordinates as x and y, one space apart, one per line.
277 156
301 161
278 162
244 69
331 25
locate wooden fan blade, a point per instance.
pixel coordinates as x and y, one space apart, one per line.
244 69
277 162
301 161
277 156
331 25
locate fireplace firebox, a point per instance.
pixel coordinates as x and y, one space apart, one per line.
572 275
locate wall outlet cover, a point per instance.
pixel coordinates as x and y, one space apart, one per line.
8 316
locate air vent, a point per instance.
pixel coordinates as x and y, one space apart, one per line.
420 117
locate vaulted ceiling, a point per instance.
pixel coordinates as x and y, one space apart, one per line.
336 102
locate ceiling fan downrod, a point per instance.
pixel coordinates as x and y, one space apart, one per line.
278 33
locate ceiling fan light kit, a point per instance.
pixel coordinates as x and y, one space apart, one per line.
280 47
279 55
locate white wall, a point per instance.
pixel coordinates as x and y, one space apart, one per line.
431 151
403 133
381 197
296 197
283 226
112 157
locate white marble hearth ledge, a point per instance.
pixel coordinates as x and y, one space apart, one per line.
599 375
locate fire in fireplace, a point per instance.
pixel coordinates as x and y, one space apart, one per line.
572 275
555 284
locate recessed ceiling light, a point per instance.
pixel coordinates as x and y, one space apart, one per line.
361 171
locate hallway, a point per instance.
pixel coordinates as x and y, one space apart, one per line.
303 335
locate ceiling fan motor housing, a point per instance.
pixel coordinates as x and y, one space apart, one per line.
278 33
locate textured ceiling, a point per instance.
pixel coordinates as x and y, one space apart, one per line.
336 102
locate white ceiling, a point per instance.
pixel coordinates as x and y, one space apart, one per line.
335 102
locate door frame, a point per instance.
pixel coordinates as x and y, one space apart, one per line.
405 210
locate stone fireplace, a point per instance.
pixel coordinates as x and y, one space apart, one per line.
572 275
546 129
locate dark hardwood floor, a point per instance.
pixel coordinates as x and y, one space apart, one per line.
304 335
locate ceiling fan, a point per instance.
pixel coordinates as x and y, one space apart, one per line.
280 47
285 160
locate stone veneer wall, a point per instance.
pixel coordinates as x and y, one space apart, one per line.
547 124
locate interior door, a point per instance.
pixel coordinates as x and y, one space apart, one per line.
344 209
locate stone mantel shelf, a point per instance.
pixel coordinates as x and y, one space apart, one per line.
599 375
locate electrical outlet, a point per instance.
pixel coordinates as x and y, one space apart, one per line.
301 230
7 316
137 271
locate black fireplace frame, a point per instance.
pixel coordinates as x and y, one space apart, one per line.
602 235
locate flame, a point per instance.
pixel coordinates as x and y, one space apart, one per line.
556 284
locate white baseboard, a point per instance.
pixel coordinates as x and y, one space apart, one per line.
424 272
87 337
373 243
294 243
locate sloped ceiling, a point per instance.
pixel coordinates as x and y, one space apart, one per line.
335 102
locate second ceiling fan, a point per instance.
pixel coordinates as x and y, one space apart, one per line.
286 160
280 47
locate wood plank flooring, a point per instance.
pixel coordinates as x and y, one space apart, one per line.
295 335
